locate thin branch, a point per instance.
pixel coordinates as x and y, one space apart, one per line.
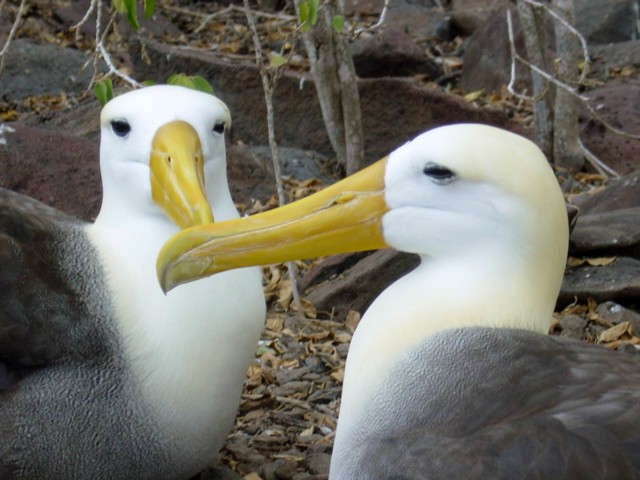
585 52
85 19
268 84
379 23
601 167
12 32
113 70
100 50
516 56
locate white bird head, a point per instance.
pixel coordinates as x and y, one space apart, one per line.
173 136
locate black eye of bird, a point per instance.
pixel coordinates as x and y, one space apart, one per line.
120 127
439 174
219 127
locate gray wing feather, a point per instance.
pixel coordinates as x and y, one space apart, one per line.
37 307
525 407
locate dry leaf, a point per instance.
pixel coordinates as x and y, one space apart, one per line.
307 431
594 262
352 320
575 262
342 337
615 332
601 261
252 476
452 62
470 97
285 294
338 375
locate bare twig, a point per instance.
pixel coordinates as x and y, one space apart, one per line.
601 167
85 19
547 76
207 17
379 23
268 85
565 87
100 50
583 42
12 32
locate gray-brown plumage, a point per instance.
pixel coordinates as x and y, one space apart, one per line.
482 403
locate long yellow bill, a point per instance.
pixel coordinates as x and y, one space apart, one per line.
177 175
345 217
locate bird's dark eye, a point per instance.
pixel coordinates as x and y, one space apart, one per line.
120 127
219 127
439 174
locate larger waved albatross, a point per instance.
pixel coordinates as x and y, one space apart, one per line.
102 376
450 374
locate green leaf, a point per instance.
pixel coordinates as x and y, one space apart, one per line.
148 83
276 60
201 84
303 12
180 79
337 22
149 8
103 90
132 13
119 5
194 82
313 11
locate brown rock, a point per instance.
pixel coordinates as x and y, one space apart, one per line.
57 169
391 53
358 286
617 103
468 15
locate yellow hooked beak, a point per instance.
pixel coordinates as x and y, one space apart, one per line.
177 175
345 217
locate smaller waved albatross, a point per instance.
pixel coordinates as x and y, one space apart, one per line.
102 376
450 374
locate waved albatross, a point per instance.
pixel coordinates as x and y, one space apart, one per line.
450 374
102 376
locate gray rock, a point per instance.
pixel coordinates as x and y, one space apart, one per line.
32 69
487 58
622 194
573 326
615 314
619 282
318 463
607 233
71 13
278 470
605 21
296 163
613 55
